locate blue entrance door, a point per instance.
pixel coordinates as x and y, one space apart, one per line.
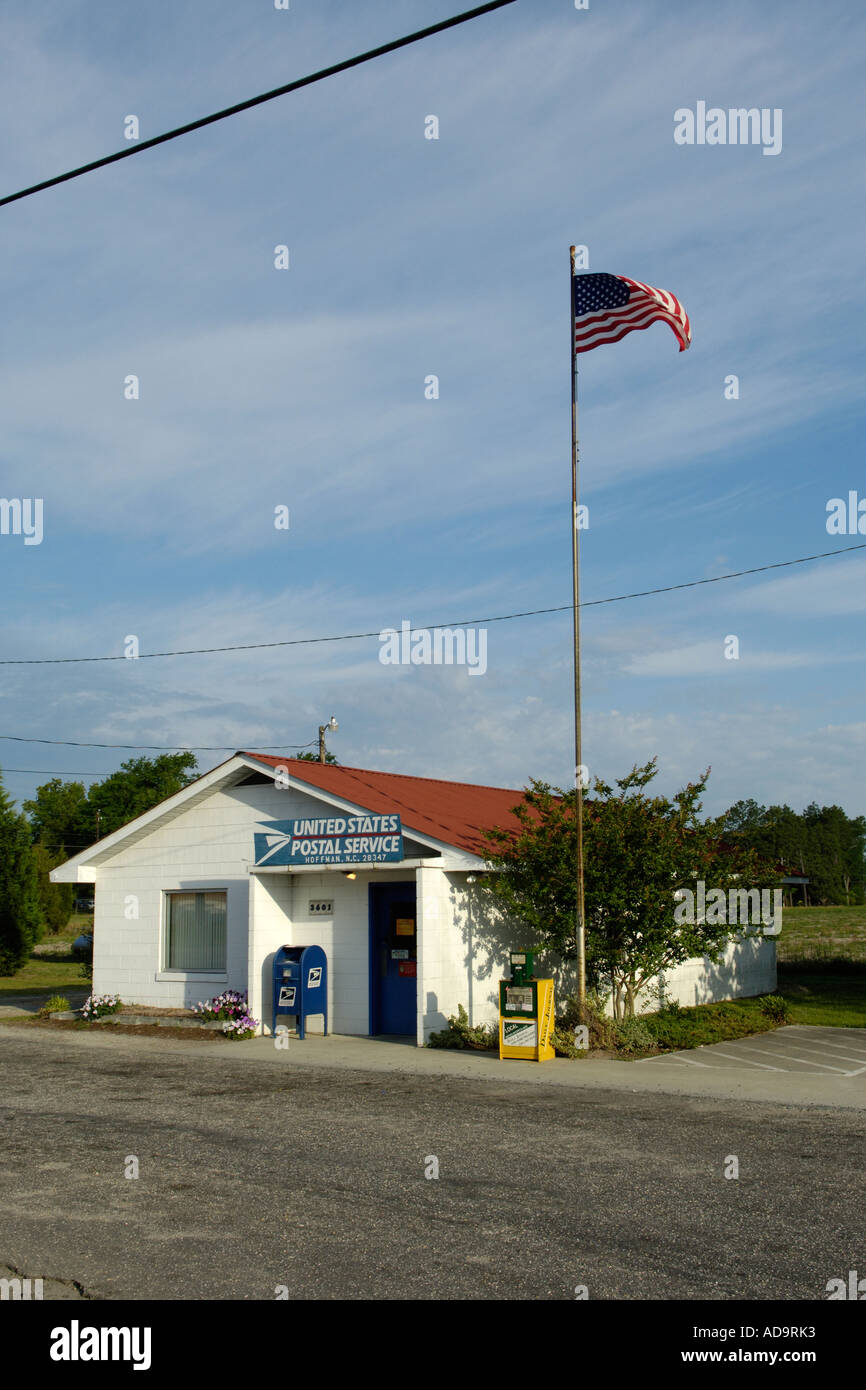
393 959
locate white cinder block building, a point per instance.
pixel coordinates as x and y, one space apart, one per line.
378 869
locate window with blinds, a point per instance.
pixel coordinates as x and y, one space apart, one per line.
196 936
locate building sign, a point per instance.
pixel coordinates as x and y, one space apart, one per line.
331 840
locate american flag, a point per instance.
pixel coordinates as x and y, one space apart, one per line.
606 307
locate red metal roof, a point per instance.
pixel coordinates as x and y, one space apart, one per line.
455 812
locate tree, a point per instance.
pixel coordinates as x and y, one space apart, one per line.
65 818
834 854
639 851
60 818
56 898
744 816
21 916
138 786
823 844
314 757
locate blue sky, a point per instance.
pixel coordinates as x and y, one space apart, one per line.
305 387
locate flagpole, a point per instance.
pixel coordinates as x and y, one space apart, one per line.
579 922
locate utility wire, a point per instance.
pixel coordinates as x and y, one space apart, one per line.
46 772
347 63
157 747
416 627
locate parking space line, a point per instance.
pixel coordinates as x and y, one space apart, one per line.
748 1062
827 1038
803 1061
809 1044
843 1056
803 1046
825 1032
678 1057
840 1056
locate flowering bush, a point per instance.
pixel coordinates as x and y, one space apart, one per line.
242 1027
98 1005
229 1005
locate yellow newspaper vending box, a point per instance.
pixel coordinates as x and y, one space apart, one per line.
525 1013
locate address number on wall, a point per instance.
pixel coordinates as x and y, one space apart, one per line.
321 907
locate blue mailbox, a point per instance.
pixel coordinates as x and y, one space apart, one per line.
300 984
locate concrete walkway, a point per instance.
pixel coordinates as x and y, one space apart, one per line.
661 1075
799 1085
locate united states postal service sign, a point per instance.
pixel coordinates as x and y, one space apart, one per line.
330 840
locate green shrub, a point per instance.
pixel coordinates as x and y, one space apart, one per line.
775 1007
635 1035
675 1029
591 1015
459 1034
564 1045
56 1005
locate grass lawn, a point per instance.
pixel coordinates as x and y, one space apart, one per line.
55 971
822 934
831 1001
39 974
825 1000
79 922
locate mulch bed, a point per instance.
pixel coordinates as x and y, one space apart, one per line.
133 1030
151 1010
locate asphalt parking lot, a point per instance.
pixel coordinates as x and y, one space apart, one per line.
256 1170
797 1048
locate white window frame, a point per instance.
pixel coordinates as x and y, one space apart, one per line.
165 972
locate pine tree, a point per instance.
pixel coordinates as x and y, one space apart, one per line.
21 916
56 898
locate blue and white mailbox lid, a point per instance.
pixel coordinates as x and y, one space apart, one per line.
330 840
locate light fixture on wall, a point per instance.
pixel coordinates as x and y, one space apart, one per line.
349 873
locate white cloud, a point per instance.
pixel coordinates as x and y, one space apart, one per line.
826 588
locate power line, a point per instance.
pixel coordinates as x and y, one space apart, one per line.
46 772
416 627
717 579
166 849
141 145
155 747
